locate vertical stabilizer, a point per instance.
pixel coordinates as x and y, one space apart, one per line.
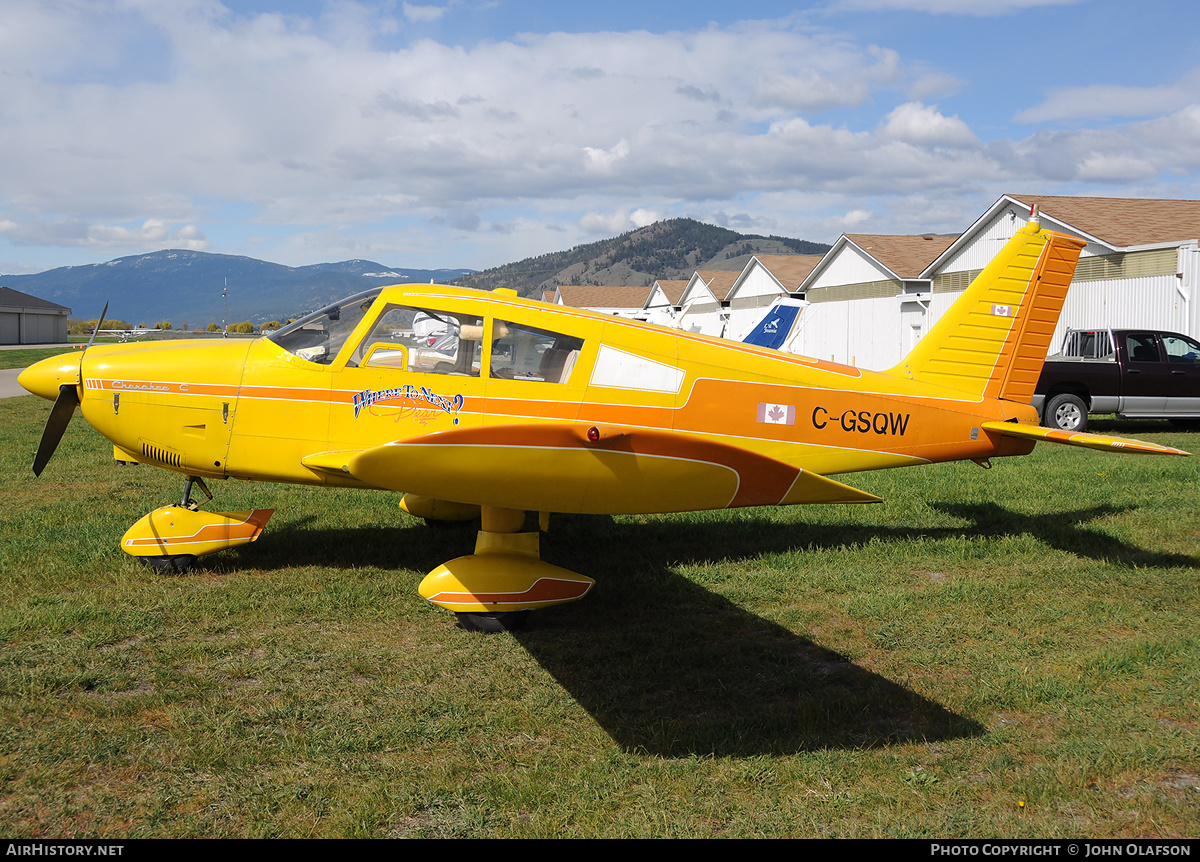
777 325
992 341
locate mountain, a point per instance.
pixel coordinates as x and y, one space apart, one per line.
181 286
671 249
185 286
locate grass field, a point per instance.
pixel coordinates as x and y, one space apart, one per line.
1012 652
26 357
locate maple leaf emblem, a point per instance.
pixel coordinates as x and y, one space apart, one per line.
775 413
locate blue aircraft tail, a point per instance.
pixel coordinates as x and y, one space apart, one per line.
776 325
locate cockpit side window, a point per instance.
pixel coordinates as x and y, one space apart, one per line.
319 336
521 352
423 340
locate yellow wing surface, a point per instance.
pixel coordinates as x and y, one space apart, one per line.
563 468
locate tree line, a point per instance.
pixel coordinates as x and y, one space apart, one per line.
78 326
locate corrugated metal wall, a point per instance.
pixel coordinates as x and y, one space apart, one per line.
863 332
34 329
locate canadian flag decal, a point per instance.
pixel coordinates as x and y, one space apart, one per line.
777 414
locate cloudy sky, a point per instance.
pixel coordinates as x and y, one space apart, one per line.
470 133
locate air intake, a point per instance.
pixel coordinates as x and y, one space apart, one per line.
156 454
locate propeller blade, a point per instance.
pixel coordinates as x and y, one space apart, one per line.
99 323
56 425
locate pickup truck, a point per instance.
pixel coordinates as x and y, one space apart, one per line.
1130 372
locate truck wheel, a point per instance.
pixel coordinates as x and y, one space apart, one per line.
1066 412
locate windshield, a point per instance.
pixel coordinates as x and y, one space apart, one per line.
319 336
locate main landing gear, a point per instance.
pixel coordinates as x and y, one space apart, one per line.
491 590
494 589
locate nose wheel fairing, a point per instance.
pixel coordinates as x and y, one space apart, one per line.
175 531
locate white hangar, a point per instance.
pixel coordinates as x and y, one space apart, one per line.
873 297
25 319
729 303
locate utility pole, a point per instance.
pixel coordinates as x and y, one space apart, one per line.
224 322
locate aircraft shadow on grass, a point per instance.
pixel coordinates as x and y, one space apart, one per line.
673 669
670 668
1064 531
665 666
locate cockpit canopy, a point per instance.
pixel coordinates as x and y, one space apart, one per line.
319 336
431 340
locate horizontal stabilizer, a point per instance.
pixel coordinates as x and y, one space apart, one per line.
1088 441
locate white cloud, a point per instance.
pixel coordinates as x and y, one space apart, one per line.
320 130
949 7
602 160
846 80
855 218
151 233
309 127
621 221
1105 167
642 217
604 223
1112 100
922 124
414 12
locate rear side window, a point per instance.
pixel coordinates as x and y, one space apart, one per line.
522 352
1142 347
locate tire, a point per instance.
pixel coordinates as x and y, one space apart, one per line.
169 563
493 623
1066 412
439 524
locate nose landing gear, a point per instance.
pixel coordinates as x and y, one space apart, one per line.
170 538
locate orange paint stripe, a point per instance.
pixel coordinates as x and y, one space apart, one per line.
249 528
542 590
121 384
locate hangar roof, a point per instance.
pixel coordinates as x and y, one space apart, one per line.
10 298
1122 222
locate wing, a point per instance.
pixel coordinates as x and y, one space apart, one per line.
587 470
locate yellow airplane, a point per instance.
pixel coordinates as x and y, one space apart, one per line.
485 405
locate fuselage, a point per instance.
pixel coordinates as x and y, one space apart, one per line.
417 362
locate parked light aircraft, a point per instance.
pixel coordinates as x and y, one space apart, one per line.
484 405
